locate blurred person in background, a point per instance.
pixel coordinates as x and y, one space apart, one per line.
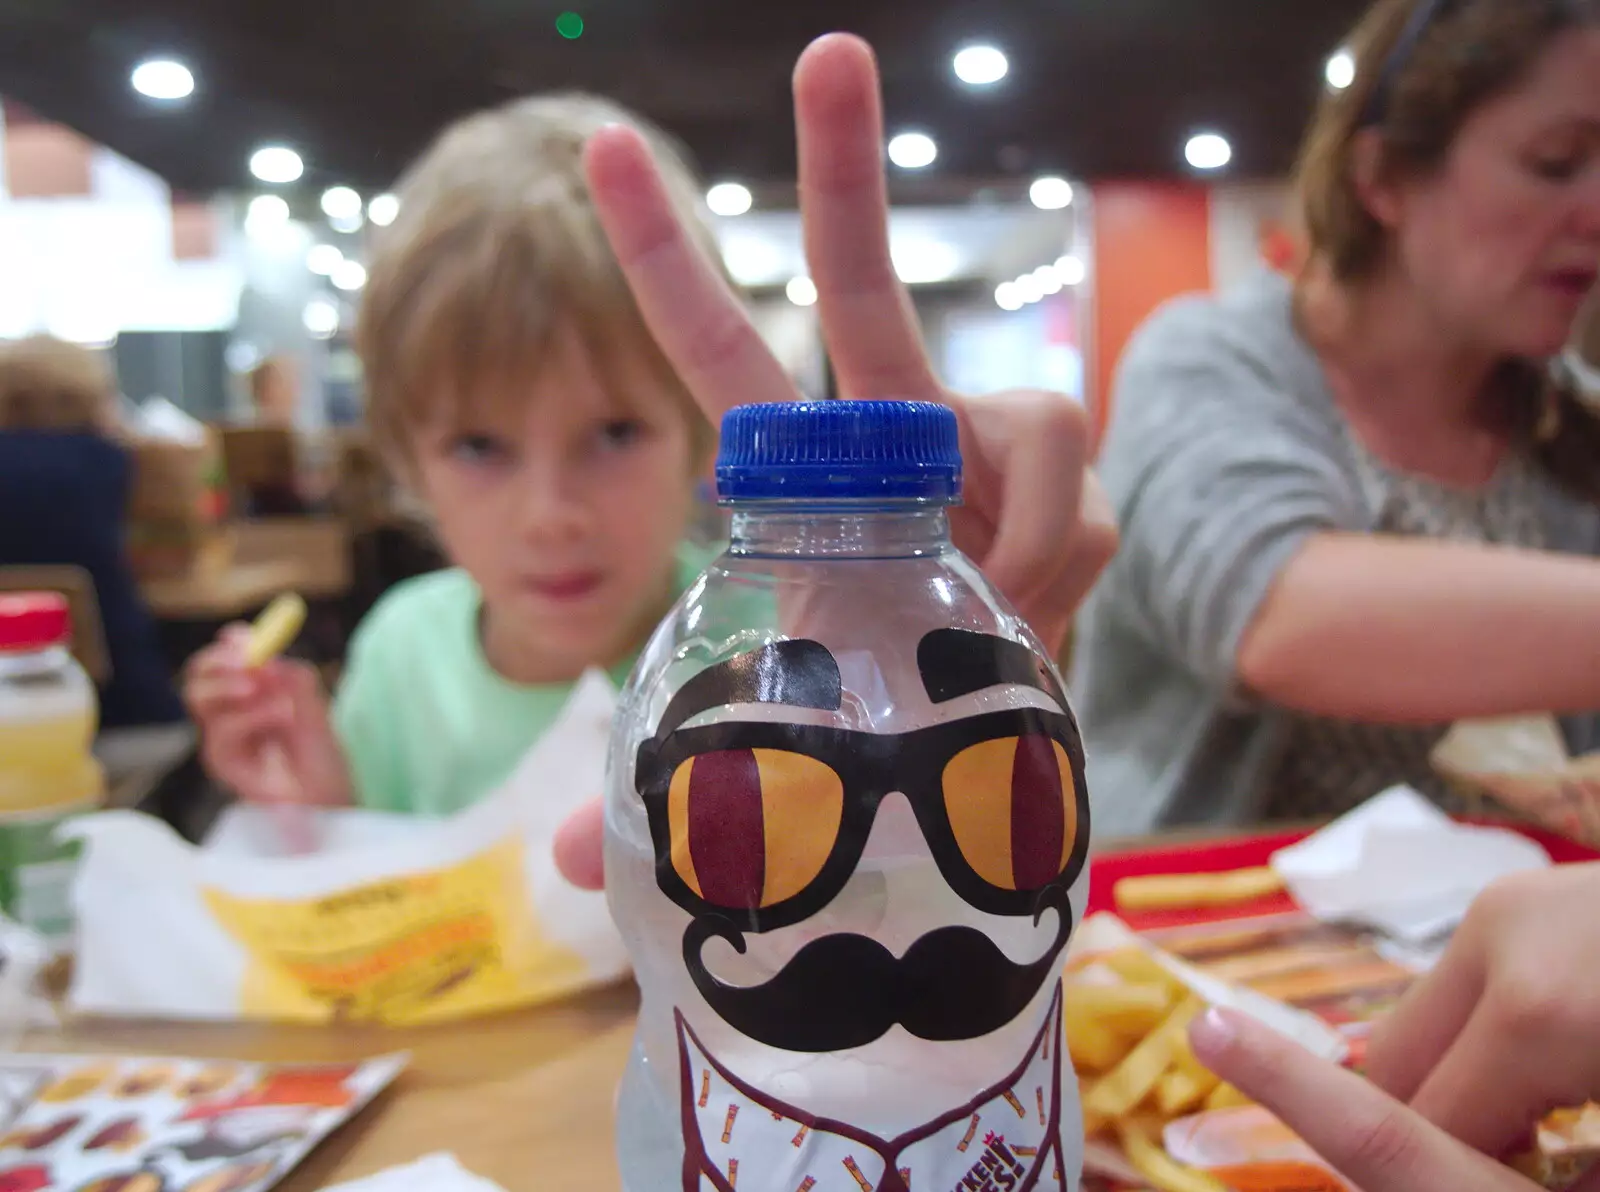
1362 505
513 389
1583 357
65 478
275 393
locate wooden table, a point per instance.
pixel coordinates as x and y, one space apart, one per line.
221 594
524 1099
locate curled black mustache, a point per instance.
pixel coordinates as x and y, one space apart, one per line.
844 991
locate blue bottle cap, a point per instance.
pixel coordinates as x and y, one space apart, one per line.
840 451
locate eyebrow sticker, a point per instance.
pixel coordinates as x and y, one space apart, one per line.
797 674
958 662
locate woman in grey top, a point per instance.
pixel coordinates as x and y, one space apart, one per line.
1361 506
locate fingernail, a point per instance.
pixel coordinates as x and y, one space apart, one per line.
1213 1033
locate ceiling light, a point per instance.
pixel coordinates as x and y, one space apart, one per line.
321 318
913 150
276 164
802 291
349 275
340 202
1050 193
265 213
729 199
980 65
1049 280
1208 151
1341 70
925 262
346 224
753 260
1007 296
164 79
383 210
1028 288
323 259
1071 270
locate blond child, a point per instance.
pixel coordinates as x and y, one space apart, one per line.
513 386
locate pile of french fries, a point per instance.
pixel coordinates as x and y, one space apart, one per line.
1127 1025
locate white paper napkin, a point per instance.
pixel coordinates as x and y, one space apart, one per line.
1400 865
440 1172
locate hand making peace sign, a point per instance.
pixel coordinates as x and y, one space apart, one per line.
1035 519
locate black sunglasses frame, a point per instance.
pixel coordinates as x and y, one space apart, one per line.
870 766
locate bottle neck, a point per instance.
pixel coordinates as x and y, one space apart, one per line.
840 531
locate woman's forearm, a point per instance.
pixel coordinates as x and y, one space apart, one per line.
1400 630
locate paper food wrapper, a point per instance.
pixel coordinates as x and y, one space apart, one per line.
397 920
1105 933
1522 763
1399 865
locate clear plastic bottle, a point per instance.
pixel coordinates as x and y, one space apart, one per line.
48 773
846 832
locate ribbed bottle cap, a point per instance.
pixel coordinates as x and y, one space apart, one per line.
840 451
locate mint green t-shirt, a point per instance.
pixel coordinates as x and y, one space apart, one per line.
427 724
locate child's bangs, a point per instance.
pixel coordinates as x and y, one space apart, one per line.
483 325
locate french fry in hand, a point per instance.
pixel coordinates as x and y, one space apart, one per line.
1175 891
1164 1172
1116 1093
274 629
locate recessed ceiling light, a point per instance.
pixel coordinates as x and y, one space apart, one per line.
802 291
1028 288
1071 270
729 199
163 79
981 65
276 164
1050 193
340 202
347 224
1008 297
1341 70
1049 280
265 213
754 260
913 150
349 275
925 262
383 209
1208 151
321 318
323 259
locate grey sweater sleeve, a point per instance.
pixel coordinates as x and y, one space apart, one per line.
1219 471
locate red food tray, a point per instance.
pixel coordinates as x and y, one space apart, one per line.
1245 852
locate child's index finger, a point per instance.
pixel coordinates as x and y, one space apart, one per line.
274 629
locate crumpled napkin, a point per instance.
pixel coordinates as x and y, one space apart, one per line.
1399 865
440 1172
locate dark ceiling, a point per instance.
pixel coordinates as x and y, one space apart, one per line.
1098 88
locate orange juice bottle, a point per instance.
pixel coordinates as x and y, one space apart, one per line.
48 716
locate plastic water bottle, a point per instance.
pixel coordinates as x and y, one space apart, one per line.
846 832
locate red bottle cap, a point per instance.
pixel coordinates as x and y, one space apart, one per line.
31 621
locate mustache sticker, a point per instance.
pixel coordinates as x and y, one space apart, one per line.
844 991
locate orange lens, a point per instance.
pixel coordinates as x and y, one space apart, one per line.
751 828
1013 809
